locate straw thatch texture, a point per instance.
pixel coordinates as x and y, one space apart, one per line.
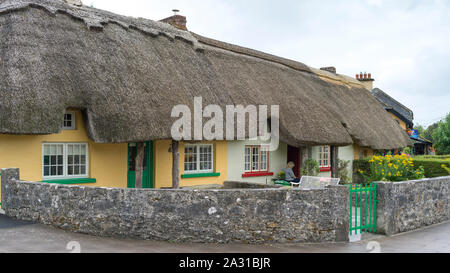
127 74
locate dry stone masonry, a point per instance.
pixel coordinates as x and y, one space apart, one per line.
213 216
406 206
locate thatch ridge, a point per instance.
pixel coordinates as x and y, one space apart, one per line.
126 74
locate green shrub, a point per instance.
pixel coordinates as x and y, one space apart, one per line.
432 165
344 172
311 168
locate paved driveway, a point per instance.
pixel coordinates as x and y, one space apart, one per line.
20 236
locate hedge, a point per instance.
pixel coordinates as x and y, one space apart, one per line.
433 167
431 164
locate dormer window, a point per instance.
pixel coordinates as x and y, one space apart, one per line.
69 121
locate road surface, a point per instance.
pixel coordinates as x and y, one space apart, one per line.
23 237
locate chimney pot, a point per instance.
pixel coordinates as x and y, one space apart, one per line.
176 20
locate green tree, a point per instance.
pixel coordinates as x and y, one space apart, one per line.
441 136
428 133
420 129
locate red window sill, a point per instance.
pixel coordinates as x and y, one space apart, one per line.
325 169
255 174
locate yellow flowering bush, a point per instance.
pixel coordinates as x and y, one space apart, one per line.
392 168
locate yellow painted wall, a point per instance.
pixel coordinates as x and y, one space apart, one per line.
107 162
163 165
358 150
401 122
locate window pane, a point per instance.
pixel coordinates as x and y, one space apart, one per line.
205 157
52 159
190 158
247 158
77 159
264 156
83 150
52 149
255 159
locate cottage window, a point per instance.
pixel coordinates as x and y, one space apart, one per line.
65 160
256 159
69 121
198 158
324 157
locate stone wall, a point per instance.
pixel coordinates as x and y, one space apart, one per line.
405 206
213 216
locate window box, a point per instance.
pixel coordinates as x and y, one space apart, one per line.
71 181
325 169
197 175
257 174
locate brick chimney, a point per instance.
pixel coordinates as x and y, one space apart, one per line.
74 2
176 20
366 80
330 69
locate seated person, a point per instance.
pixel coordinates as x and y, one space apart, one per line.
289 173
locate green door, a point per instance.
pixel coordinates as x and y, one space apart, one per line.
147 174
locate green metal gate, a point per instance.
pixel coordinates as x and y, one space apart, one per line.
363 208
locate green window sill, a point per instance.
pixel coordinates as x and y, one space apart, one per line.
197 175
71 181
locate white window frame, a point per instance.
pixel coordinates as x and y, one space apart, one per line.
65 163
72 114
261 149
321 158
198 158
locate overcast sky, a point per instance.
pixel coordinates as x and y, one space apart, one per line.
405 44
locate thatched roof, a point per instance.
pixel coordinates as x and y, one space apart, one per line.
127 74
394 106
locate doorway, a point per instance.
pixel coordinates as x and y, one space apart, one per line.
294 155
147 173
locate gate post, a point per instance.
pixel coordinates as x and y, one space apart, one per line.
6 176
